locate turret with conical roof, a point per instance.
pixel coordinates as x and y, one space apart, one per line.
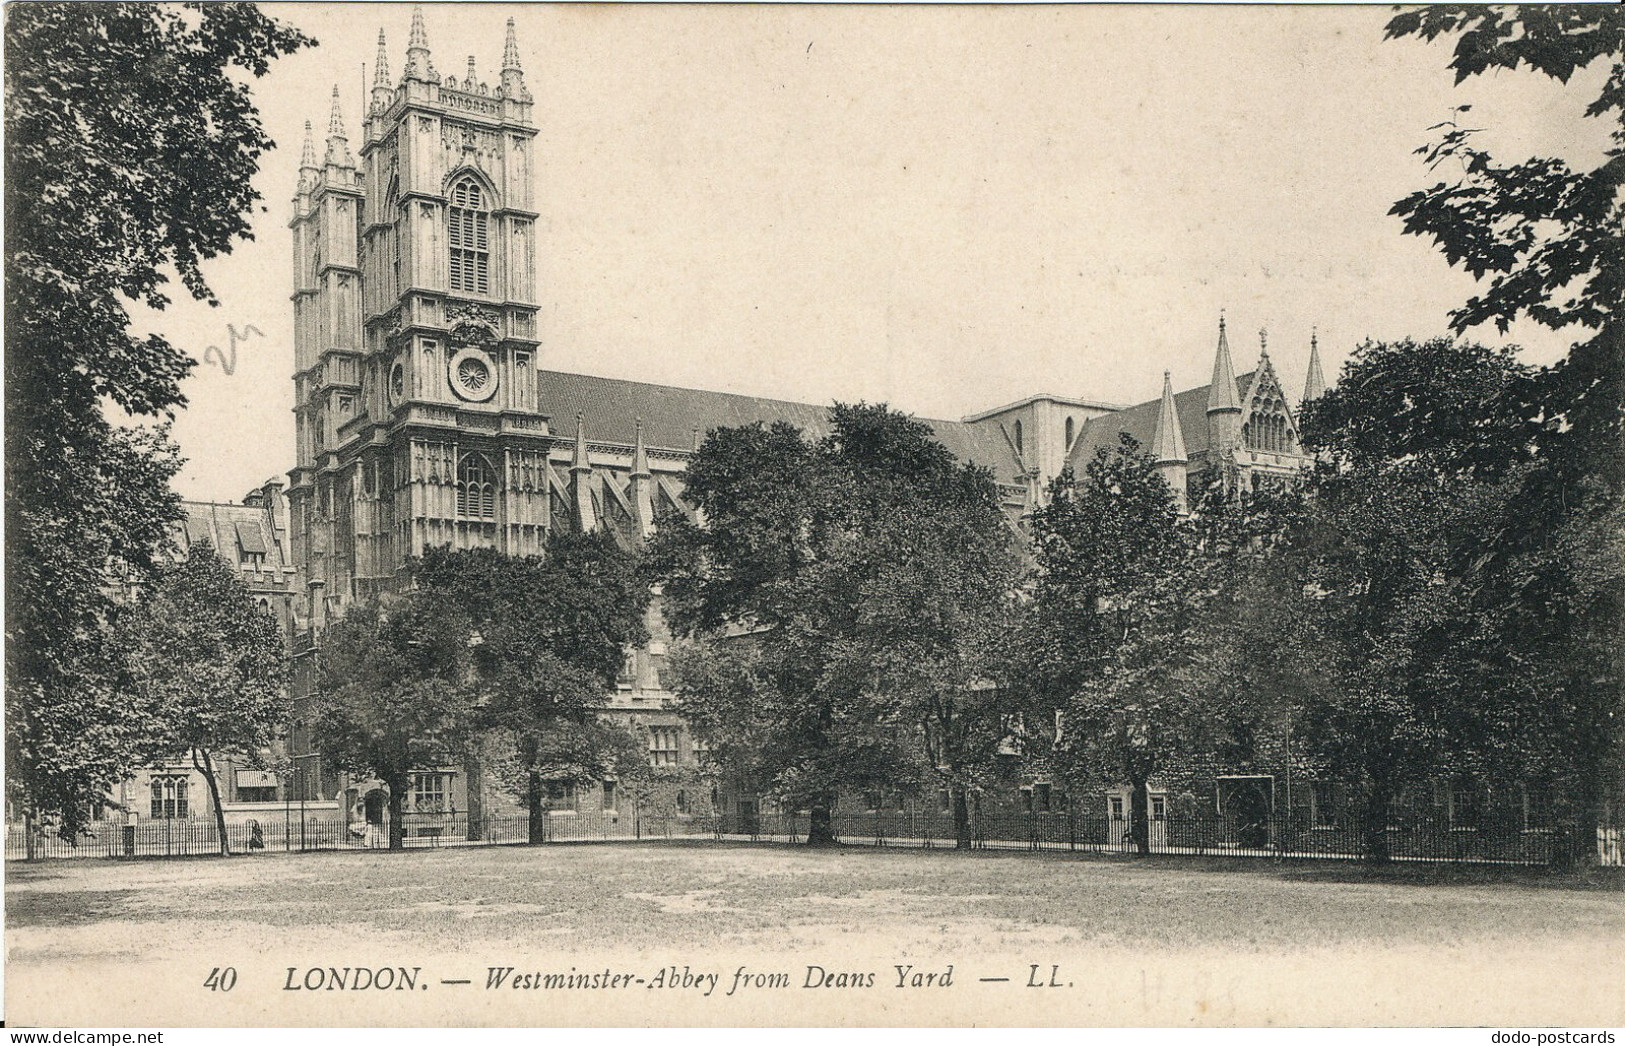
1314 383
1168 444
1223 401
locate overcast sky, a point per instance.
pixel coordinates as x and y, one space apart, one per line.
943 208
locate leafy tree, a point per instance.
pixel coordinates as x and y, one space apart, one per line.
1103 635
206 665
1545 235
1464 613
131 142
395 692
848 590
552 633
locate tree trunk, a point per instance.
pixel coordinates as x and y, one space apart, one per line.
1140 817
472 774
535 812
962 839
206 768
397 809
1378 794
820 829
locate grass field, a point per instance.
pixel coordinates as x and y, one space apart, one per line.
1163 941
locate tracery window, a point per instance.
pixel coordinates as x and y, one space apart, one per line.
469 219
476 492
169 798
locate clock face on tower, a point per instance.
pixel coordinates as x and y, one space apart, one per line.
473 375
397 385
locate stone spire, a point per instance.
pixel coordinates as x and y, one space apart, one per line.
471 82
1167 441
1223 402
581 480
513 79
418 64
642 486
338 146
1314 384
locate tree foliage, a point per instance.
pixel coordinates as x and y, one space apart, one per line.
548 638
1466 616
849 590
131 143
207 667
1105 639
1545 235
395 693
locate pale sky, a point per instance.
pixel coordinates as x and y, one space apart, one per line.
943 208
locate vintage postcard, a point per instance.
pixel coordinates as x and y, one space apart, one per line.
758 515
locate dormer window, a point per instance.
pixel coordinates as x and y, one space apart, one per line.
469 219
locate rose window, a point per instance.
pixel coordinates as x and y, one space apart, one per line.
473 374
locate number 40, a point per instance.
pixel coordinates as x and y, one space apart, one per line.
221 979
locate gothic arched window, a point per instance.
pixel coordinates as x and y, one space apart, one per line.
1019 448
1069 433
469 219
476 493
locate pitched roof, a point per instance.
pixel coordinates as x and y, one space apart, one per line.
1140 421
611 408
230 529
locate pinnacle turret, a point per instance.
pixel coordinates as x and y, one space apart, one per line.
338 146
512 78
640 455
586 518
1167 441
578 458
307 161
335 117
641 488
1314 383
510 49
418 64
383 92
380 73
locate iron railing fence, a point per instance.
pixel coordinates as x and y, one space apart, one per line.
199 837
1181 836
1060 831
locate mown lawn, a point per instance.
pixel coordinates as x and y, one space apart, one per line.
718 901
732 894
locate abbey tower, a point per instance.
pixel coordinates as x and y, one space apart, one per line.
417 408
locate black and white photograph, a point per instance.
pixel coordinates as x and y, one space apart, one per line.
806 516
